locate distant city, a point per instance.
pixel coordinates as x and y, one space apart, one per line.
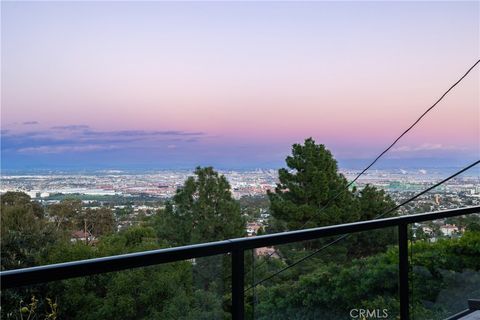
50 186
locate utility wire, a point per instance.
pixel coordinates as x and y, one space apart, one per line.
384 151
381 215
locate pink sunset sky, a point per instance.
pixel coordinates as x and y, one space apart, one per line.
235 83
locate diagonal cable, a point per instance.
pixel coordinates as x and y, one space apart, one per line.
397 139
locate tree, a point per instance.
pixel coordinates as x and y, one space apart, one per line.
69 216
26 233
26 237
66 215
99 222
20 199
202 210
309 184
372 204
312 193
140 293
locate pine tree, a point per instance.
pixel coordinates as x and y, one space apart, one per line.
303 197
202 210
312 193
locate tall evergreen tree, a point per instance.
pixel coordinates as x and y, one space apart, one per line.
308 185
312 193
202 210
373 203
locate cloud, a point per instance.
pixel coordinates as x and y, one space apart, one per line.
30 123
142 133
82 138
64 149
427 147
71 127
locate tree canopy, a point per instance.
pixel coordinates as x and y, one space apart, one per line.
312 193
309 183
202 210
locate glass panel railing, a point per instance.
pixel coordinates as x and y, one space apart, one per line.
445 266
191 289
353 278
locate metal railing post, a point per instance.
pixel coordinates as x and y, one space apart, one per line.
403 270
238 301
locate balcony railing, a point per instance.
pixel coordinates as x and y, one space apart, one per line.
235 247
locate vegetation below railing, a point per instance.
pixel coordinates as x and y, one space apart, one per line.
330 290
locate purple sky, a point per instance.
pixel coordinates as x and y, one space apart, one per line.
234 84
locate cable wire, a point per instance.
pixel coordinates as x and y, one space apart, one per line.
398 138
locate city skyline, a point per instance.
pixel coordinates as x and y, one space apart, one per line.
234 85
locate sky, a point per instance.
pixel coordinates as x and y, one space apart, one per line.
235 84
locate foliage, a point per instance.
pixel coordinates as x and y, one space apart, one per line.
202 210
308 184
312 193
253 206
25 231
142 293
98 222
331 290
68 216
65 215
372 203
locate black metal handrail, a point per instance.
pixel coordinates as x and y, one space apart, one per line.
67 270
